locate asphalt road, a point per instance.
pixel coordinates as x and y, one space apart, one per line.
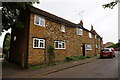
101 68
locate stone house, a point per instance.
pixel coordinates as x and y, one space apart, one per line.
41 29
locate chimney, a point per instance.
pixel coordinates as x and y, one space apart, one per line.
81 23
91 27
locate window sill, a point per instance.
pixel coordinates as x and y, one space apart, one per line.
37 48
89 49
39 25
60 48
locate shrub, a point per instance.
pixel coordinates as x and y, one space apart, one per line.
88 56
51 54
81 57
69 58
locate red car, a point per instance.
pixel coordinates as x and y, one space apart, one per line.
107 52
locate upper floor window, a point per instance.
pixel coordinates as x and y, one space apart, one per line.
99 39
38 43
88 47
63 28
95 36
39 21
79 31
60 45
90 35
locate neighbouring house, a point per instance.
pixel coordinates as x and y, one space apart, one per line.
29 45
107 44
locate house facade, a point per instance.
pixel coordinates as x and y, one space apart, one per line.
29 46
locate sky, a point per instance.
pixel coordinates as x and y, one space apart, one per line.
104 21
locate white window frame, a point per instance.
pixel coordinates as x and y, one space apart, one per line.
90 35
95 36
99 39
40 19
79 31
63 28
39 41
97 46
14 38
86 47
60 43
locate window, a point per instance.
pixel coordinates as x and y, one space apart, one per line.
79 31
99 39
97 46
90 35
88 47
95 36
14 38
63 28
39 21
59 45
38 43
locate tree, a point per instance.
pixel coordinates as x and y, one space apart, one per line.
111 4
11 14
6 44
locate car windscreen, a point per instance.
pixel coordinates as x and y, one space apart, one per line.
104 50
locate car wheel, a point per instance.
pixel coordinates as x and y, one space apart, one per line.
114 56
101 57
111 56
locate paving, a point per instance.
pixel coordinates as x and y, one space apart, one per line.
10 70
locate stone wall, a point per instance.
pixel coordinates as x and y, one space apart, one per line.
52 32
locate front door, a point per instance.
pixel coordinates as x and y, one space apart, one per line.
83 49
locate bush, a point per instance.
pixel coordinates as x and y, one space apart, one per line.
89 56
69 58
51 54
81 57
6 44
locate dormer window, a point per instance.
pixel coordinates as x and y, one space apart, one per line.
63 28
39 21
79 31
90 35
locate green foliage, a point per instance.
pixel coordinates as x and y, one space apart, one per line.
69 58
51 54
6 44
12 13
80 57
110 5
37 67
89 56
114 45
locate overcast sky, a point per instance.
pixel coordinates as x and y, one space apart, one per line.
104 21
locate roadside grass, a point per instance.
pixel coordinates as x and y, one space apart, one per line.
68 59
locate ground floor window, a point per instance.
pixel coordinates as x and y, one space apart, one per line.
60 45
97 46
38 43
88 47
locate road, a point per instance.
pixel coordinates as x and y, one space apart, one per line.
101 68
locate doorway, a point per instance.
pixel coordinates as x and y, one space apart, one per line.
83 49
